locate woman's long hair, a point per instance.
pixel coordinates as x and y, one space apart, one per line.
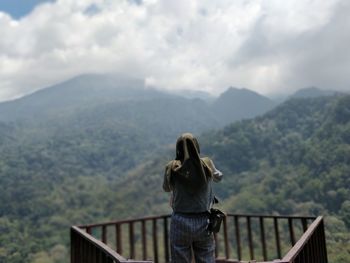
189 170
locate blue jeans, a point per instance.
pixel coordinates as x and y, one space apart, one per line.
187 234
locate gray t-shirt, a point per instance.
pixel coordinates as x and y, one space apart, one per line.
196 200
186 202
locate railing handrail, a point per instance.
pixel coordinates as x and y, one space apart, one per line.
110 252
294 251
99 244
272 216
133 220
124 221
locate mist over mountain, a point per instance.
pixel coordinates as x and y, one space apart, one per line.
79 93
194 94
96 99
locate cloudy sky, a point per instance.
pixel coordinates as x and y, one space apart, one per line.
270 46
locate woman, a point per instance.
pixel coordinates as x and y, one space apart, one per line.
189 179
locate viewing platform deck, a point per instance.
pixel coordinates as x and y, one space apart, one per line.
242 238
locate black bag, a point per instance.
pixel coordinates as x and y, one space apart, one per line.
215 219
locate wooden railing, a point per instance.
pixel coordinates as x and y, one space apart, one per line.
311 247
242 237
87 249
259 237
122 236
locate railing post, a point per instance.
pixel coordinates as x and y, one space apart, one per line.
323 240
216 245
277 237
238 239
250 238
73 246
118 233
144 240
304 223
291 231
155 240
314 246
227 247
131 240
104 234
263 241
166 239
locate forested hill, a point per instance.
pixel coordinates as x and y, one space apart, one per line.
94 164
294 159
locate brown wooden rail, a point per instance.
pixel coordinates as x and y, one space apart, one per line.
87 249
263 238
311 247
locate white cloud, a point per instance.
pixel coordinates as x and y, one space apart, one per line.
264 45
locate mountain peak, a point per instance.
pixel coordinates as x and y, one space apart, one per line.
238 103
77 93
235 89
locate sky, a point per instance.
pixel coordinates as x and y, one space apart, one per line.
269 46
